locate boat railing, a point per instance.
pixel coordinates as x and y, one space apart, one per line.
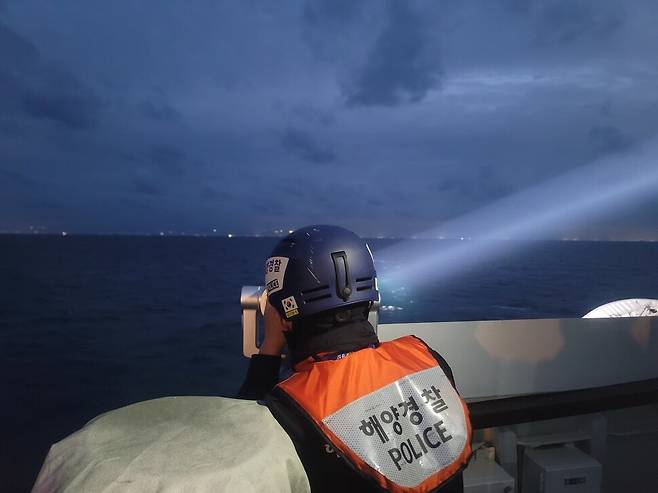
526 368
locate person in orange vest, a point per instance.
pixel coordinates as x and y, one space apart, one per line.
363 415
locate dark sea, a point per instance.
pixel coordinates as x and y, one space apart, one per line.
93 323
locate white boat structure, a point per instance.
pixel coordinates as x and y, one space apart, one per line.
558 405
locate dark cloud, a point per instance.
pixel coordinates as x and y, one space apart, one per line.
159 111
309 115
16 52
290 190
62 99
375 202
144 187
17 56
17 178
523 7
209 192
400 68
49 204
606 139
168 158
568 21
606 108
216 103
41 90
492 184
301 144
317 13
265 207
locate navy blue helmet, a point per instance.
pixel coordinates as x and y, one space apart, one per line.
319 268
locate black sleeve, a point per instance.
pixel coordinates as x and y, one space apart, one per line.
262 376
442 363
444 366
292 421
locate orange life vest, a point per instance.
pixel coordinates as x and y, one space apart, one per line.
391 412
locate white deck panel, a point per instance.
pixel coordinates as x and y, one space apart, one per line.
514 357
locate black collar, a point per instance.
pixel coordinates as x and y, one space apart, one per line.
345 337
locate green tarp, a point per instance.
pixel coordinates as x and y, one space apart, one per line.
176 444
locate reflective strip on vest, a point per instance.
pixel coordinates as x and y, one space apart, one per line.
390 411
425 441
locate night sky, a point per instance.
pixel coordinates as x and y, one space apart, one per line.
388 117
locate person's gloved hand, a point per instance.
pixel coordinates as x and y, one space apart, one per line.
275 326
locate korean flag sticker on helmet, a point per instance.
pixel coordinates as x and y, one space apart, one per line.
275 270
290 306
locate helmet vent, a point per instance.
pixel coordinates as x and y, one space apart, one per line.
314 290
364 279
363 288
317 298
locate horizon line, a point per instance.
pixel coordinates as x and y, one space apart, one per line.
258 235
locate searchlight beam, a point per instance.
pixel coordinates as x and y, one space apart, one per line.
582 194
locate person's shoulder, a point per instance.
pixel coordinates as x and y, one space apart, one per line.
439 359
412 340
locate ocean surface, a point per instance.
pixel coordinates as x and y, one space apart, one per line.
92 323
